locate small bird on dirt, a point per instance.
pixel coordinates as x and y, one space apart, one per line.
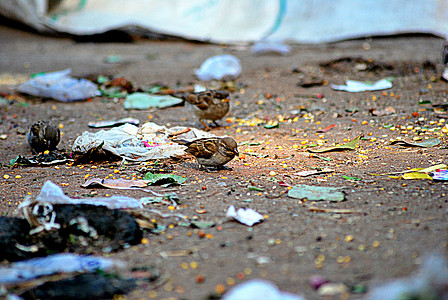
445 53
213 151
445 60
43 135
209 105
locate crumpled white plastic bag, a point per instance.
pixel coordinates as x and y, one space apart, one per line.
219 67
137 144
354 86
247 216
430 282
60 86
259 289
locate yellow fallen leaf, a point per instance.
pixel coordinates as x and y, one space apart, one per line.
416 175
432 168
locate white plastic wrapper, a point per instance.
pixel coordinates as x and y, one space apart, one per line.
246 216
259 289
58 263
266 47
60 86
137 144
219 67
359 86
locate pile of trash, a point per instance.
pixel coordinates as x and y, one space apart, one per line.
151 141
76 229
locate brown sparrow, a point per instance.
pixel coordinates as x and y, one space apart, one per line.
43 136
445 53
208 105
213 151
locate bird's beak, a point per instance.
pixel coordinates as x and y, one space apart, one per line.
226 100
236 151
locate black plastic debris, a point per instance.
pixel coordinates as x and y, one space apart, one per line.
51 158
83 229
84 286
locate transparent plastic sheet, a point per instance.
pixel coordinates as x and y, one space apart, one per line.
60 86
51 193
57 263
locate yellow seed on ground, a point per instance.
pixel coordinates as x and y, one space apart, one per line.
230 281
184 265
220 288
6 176
152 294
180 289
376 244
18 176
145 241
349 238
194 265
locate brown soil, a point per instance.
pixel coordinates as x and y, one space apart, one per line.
392 223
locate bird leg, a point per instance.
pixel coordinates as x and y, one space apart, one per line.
207 128
214 168
216 124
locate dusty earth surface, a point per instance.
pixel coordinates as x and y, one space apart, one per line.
389 223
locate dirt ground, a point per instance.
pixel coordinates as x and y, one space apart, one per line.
391 223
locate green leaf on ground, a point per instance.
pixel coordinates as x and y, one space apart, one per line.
254 188
316 193
163 179
348 146
425 144
146 101
202 224
351 178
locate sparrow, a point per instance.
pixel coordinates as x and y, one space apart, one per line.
445 53
445 60
212 152
43 136
209 105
